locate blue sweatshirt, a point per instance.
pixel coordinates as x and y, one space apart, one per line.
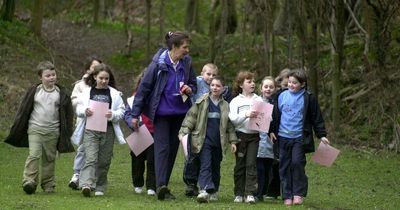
291 105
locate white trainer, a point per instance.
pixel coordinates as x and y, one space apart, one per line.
74 182
99 193
151 192
214 196
238 199
138 190
250 199
203 196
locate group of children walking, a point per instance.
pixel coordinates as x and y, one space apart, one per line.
268 164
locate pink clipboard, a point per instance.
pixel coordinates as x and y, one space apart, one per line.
98 121
263 119
325 154
184 142
140 140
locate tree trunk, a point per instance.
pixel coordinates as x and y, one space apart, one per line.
96 9
223 28
148 24
161 19
338 63
212 32
192 22
7 10
128 32
37 17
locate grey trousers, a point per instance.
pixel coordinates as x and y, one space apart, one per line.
99 151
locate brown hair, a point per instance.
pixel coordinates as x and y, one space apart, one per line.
240 77
44 65
97 69
176 39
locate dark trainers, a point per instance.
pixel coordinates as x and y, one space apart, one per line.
86 191
29 188
161 192
191 190
169 196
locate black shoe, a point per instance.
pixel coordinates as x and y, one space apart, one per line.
86 191
161 192
73 185
191 190
29 188
169 196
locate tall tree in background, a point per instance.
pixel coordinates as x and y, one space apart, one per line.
128 32
339 30
148 24
192 22
212 32
96 10
7 10
37 17
161 19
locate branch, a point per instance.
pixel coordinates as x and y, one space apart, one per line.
366 44
361 92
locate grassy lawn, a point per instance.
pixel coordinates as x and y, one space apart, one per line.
358 180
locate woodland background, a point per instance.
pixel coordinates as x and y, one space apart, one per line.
350 48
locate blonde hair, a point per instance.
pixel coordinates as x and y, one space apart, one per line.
267 78
210 66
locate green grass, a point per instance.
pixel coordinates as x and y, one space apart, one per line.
358 180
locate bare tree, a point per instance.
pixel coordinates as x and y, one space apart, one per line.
37 17
192 22
96 9
212 32
128 32
161 19
7 10
148 24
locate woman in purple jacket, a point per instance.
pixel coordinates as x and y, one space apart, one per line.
163 97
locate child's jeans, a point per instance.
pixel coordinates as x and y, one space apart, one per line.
292 167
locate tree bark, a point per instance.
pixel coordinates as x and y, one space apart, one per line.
212 32
7 10
96 9
192 22
161 19
37 17
148 24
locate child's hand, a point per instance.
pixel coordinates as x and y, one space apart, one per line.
233 148
272 137
88 112
109 114
251 113
325 140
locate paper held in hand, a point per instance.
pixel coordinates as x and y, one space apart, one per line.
325 154
98 121
184 142
139 140
264 117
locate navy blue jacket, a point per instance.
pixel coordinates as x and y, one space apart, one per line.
313 120
152 85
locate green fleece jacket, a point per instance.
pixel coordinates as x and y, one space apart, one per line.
195 124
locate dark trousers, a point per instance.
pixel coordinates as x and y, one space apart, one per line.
191 169
245 172
166 144
138 163
210 167
292 167
268 177
274 187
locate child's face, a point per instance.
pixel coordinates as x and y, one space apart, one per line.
208 74
102 79
294 85
248 86
268 88
49 78
284 82
216 88
91 68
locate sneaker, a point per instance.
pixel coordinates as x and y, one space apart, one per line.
86 191
138 190
250 199
288 202
191 190
238 199
169 196
74 182
29 188
151 192
161 192
297 200
98 193
213 196
203 197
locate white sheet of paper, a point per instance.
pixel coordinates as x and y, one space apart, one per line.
263 119
98 121
325 154
139 140
185 145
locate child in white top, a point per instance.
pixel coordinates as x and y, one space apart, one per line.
240 111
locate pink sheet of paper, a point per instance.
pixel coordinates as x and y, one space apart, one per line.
263 119
139 140
325 154
185 145
98 121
